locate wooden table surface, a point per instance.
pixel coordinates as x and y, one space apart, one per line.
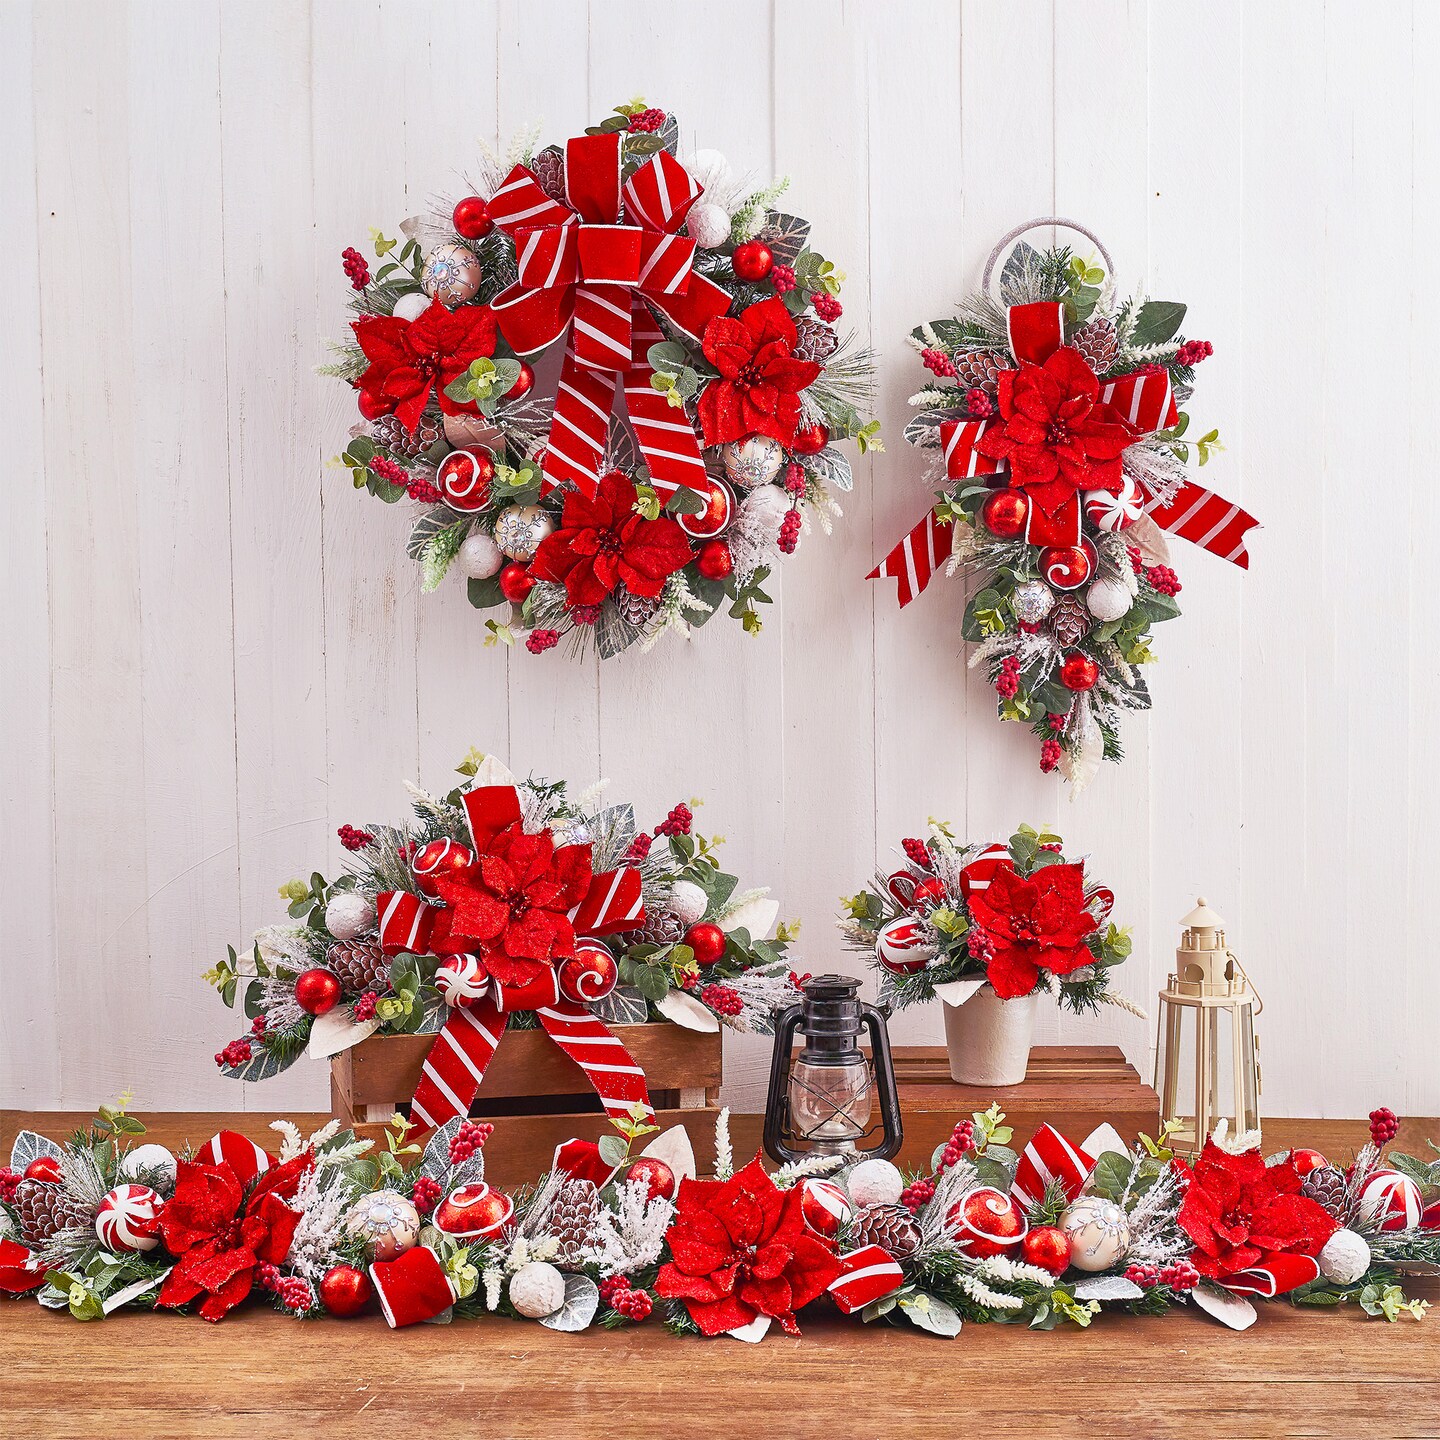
1295 1372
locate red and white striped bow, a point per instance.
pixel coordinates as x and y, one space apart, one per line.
583 272
457 1061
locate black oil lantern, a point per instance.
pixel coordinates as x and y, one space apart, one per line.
823 1100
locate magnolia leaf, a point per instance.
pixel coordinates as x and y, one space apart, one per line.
686 1011
1229 1309
1107 1287
957 992
753 1333
929 1313
624 1005
335 1031
582 1299
1102 1138
785 235
831 468
756 916
1157 322
134 1292
1111 1175
674 1148
29 1147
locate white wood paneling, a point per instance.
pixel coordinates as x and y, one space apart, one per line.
215 653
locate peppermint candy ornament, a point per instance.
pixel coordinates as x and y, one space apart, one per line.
1116 511
588 975
902 946
824 1207
1391 1200
462 980
128 1220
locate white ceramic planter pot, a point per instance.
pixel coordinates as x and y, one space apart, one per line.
989 1038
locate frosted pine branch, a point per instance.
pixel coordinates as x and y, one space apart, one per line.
724 1154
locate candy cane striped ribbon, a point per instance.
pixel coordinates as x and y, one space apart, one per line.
1050 1158
1207 520
916 558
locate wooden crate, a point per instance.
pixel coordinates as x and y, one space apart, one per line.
534 1094
1073 1087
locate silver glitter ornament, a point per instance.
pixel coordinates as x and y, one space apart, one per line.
452 273
1032 601
519 529
755 460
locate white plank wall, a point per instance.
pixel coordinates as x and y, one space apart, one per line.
215 653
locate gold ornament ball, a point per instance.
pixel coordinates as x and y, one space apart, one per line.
452 273
386 1221
1099 1233
519 529
755 460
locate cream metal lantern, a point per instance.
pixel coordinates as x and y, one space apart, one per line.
1207 1021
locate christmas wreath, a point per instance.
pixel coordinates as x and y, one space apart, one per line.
622 1230
687 330
507 902
1017 917
1057 408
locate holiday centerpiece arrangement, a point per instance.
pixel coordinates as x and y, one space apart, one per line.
1057 408
701 390
508 903
987 929
615 1234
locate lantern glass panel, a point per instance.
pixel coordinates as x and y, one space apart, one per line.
831 1105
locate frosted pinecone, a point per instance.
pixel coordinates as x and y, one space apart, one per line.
1096 342
572 1220
980 367
390 432
358 965
661 927
1069 621
637 610
891 1227
817 342
549 169
1327 1187
44 1209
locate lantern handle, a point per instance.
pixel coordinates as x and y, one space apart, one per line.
1038 223
873 1019
1244 975
777 1104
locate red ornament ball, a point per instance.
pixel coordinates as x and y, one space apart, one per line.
463 477
825 1207
440 860
928 893
473 1212
1067 567
372 407
810 439
1048 1247
715 561
752 260
1078 671
590 974
707 941
987 1222
345 1291
717 514
524 383
1006 513
46 1168
516 582
316 991
472 218
658 1177
1305 1160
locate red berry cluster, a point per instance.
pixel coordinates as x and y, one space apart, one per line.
422 491
354 839
425 1193
797 980
1384 1127
917 852
9 1184
1057 722
1049 755
977 942
391 472
677 822
1137 560
647 122
794 480
722 999
915 1197
1147 1277
295 1294
639 847
237 1052
826 306
1192 352
257 1025
357 272
469 1138
979 403
782 277
634 1305
1053 846
938 363
267 1276
539 641
364 1008
1163 579
790 532
1182 1275
1007 682
585 614
962 1139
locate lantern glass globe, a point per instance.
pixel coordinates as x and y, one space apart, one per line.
831 1105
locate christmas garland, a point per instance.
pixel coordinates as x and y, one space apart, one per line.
507 902
704 319
1017 918
1056 406
1046 1237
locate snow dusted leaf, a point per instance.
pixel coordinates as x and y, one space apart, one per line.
621 451
613 632
426 528
582 1299
686 1011
786 235
493 772
335 1031
923 429
133 1292
756 916
436 1013
1016 287
262 1064
30 1146
1229 1309
674 1148
624 1005
613 832
830 468
1107 1287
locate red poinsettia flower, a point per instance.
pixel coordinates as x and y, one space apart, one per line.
513 908
758 392
741 1249
602 543
411 359
1055 432
1240 1211
1033 924
221 1237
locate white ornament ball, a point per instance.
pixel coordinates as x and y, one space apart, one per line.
452 274
1345 1258
480 557
688 901
755 460
128 1220
386 1221
709 167
708 224
1108 598
412 306
1099 1233
874 1182
537 1290
349 916
153 1162
763 509
519 529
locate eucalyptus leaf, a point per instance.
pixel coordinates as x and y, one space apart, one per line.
929 1313
613 1150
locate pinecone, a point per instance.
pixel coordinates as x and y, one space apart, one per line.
1096 342
548 168
390 432
817 341
980 367
661 927
891 1227
45 1209
1327 1187
637 610
358 965
1069 621
571 1220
